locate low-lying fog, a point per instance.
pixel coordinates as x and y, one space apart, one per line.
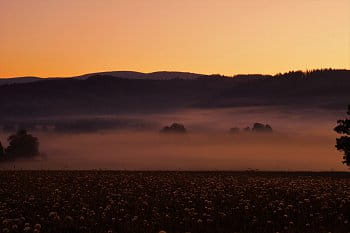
302 140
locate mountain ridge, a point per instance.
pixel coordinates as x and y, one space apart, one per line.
157 75
168 75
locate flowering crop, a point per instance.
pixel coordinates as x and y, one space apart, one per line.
152 202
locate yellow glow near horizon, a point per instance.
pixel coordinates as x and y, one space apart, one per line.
63 37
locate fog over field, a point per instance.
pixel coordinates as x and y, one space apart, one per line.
303 139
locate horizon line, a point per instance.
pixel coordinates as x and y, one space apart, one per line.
171 71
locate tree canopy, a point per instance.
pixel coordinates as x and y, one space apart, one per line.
258 127
22 144
343 142
174 128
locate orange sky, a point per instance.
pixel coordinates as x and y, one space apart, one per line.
72 37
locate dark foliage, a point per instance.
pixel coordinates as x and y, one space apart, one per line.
1 151
343 142
174 128
268 128
22 145
258 127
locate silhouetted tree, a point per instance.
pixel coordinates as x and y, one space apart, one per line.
258 127
1 151
22 144
343 142
174 128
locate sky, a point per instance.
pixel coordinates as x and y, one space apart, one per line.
55 38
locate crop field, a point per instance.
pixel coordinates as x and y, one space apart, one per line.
196 202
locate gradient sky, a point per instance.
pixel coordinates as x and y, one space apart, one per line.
71 37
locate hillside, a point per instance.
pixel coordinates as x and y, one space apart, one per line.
105 94
160 75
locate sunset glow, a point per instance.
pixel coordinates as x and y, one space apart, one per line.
51 38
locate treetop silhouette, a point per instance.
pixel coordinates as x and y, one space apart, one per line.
343 142
22 145
174 128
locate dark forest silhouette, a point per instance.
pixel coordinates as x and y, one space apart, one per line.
21 145
343 142
327 89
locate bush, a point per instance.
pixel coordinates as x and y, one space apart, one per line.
258 127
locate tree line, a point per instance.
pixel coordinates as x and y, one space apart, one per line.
257 127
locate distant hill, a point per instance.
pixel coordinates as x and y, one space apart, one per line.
166 91
160 75
4 81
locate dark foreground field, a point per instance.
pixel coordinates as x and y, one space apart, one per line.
107 201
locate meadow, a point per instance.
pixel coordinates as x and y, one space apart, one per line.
151 202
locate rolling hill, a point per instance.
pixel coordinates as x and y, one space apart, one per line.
166 91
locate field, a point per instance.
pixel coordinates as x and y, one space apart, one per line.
196 202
